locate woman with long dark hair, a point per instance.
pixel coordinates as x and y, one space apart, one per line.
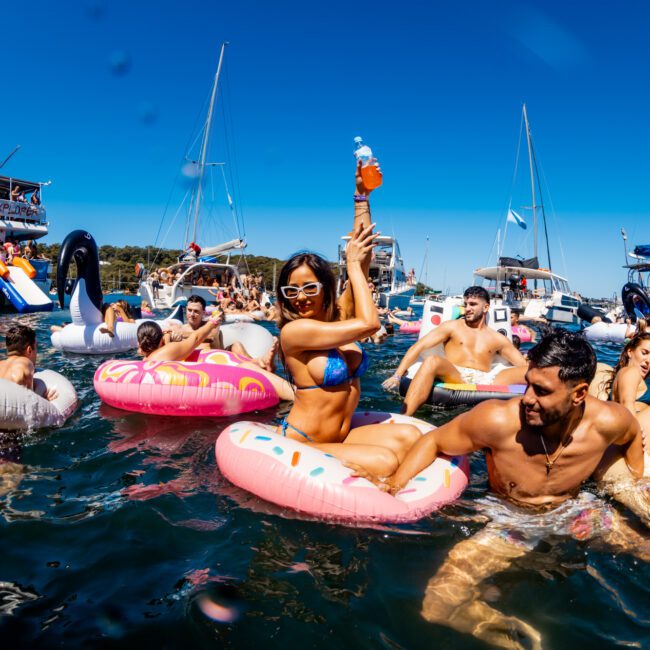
320 351
627 381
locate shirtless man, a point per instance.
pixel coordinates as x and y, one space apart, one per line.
211 339
539 448
470 347
18 367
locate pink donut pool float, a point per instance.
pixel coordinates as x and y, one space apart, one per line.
210 383
522 332
294 475
411 328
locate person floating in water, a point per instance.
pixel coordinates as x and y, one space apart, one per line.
539 449
470 348
321 354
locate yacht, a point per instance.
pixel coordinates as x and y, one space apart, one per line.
537 292
24 284
198 270
393 288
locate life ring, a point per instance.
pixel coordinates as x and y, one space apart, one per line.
300 477
210 383
411 328
635 299
522 332
443 394
23 409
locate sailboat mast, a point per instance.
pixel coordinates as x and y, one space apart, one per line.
204 143
532 178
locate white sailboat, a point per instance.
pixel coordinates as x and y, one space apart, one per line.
521 283
198 271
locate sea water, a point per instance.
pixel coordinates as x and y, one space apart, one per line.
119 531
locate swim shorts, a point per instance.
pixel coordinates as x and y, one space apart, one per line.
473 376
584 517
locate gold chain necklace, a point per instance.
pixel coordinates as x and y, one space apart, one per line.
549 462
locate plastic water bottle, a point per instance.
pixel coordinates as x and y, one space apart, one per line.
369 171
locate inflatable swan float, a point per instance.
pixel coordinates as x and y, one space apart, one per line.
84 334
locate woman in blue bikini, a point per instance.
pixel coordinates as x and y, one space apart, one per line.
320 350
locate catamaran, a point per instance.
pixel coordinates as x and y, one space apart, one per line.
393 288
198 270
521 283
24 284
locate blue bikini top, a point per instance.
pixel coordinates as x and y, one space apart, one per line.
337 371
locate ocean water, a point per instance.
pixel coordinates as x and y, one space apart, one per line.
119 531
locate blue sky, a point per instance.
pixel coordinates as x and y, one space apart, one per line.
105 96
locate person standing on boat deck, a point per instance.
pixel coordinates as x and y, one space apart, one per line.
321 354
539 449
470 347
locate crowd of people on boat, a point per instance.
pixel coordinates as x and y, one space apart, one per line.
12 248
16 193
540 448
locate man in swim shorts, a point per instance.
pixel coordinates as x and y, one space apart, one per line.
470 348
539 450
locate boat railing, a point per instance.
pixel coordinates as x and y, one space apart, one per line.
22 211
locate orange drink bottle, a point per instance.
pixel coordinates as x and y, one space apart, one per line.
369 171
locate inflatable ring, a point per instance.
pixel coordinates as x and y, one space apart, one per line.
22 409
635 299
238 318
411 328
210 384
606 332
298 476
522 332
468 394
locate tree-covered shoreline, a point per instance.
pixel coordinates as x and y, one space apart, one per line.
117 263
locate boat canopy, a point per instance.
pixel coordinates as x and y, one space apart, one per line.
503 272
6 183
642 250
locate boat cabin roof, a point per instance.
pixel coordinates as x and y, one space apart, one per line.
502 272
26 186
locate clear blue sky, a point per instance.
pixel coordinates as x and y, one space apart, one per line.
104 96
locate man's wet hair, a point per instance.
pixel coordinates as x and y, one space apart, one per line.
199 299
477 292
149 336
19 338
570 351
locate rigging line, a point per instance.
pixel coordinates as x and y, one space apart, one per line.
555 220
232 210
541 201
173 221
232 152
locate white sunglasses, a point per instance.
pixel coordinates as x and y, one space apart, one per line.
310 289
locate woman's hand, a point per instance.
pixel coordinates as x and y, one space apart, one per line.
361 188
360 244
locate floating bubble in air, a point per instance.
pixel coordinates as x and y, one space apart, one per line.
147 113
190 170
119 62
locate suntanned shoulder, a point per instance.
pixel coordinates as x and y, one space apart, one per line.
611 419
492 420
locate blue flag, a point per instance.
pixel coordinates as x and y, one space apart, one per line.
515 218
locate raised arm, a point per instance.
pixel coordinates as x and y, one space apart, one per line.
361 220
311 334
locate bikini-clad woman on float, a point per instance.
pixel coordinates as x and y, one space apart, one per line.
319 345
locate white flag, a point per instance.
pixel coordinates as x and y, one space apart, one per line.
515 218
